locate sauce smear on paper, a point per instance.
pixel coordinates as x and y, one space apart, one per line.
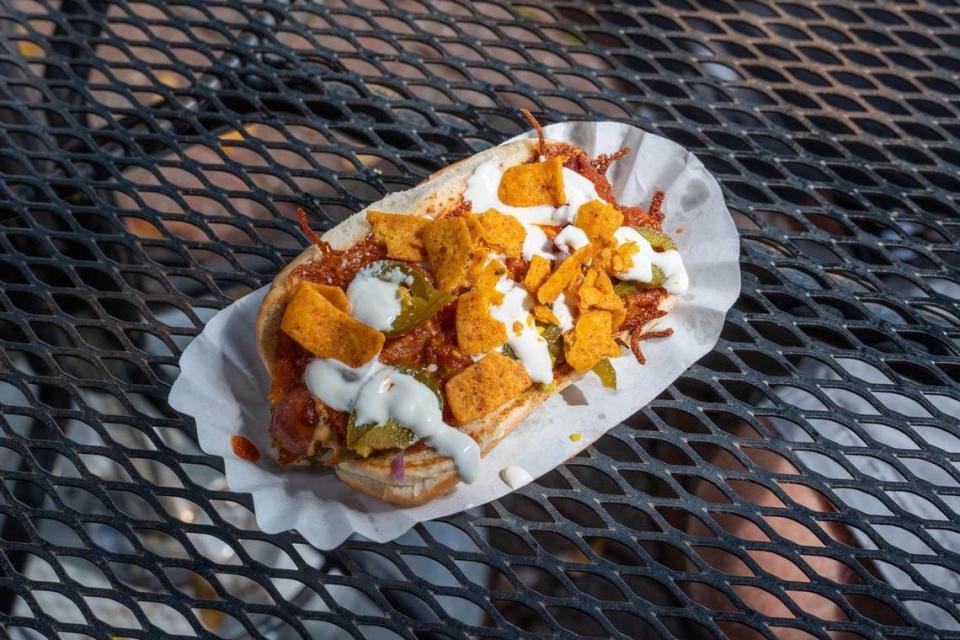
244 449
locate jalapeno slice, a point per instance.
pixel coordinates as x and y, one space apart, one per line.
423 378
607 374
419 300
626 287
364 439
657 239
553 334
367 438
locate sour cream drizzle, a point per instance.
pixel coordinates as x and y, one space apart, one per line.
675 275
378 392
375 296
481 192
561 309
515 477
570 239
529 346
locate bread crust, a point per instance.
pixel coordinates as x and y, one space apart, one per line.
427 474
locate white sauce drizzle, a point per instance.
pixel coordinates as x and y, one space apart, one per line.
579 191
481 192
670 262
515 477
378 392
535 242
375 296
570 239
561 309
528 344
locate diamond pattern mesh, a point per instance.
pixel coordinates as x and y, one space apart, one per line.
802 480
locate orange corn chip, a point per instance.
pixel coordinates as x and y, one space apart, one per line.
618 259
477 330
450 251
543 313
327 332
596 292
536 274
590 340
503 233
334 294
484 386
526 185
565 274
599 220
400 233
485 276
475 228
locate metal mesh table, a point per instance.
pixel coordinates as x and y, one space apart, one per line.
152 154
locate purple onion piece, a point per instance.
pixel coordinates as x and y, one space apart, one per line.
397 468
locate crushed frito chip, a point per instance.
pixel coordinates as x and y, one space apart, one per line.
599 220
485 275
527 185
477 331
503 233
400 233
450 251
484 386
321 328
334 294
590 340
543 313
536 274
596 292
617 259
474 227
565 274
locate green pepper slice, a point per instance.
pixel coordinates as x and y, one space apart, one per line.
423 378
364 439
624 288
657 239
607 374
419 300
553 334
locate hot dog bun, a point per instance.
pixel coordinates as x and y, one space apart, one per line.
428 475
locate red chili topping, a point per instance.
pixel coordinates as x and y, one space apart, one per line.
432 343
517 268
289 362
244 449
338 267
310 233
582 164
595 171
641 309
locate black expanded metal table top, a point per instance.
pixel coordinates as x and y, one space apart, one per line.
152 155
